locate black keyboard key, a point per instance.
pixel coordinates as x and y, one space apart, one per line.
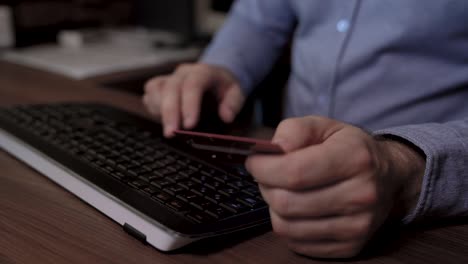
200 203
228 191
176 178
234 206
118 175
200 178
208 172
195 166
150 177
239 184
150 190
141 171
218 212
251 202
163 171
187 172
189 184
252 190
161 183
162 196
174 167
216 198
132 173
174 189
204 191
200 217
187 196
223 177
183 161
214 184
139 184
178 205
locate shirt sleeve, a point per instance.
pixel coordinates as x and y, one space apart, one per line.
444 191
251 39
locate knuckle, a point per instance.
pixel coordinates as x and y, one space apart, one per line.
203 68
183 67
363 158
368 196
294 127
291 124
151 85
192 85
155 83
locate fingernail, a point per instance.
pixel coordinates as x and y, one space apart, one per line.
168 130
188 121
229 115
278 141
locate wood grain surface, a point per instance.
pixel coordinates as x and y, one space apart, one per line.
42 223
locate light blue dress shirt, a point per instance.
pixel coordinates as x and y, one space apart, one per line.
396 67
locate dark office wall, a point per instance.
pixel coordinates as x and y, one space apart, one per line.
38 21
173 15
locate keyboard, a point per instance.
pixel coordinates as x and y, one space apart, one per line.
160 190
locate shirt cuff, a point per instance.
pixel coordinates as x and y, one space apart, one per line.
442 187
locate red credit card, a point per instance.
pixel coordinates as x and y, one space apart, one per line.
228 144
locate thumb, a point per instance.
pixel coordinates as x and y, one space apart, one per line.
231 103
297 133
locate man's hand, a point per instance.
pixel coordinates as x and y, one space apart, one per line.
335 186
176 98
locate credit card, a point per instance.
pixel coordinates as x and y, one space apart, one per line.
232 145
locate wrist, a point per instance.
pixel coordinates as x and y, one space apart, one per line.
406 166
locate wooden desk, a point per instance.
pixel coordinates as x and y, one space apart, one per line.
42 223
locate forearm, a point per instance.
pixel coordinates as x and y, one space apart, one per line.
444 186
251 39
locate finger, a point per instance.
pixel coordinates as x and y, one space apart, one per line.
192 92
296 133
345 198
151 98
345 154
170 105
231 103
339 228
308 168
155 83
151 103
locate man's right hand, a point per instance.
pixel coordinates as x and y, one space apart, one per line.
176 98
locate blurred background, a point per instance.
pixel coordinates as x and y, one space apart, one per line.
120 44
39 21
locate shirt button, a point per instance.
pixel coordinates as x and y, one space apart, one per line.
342 25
